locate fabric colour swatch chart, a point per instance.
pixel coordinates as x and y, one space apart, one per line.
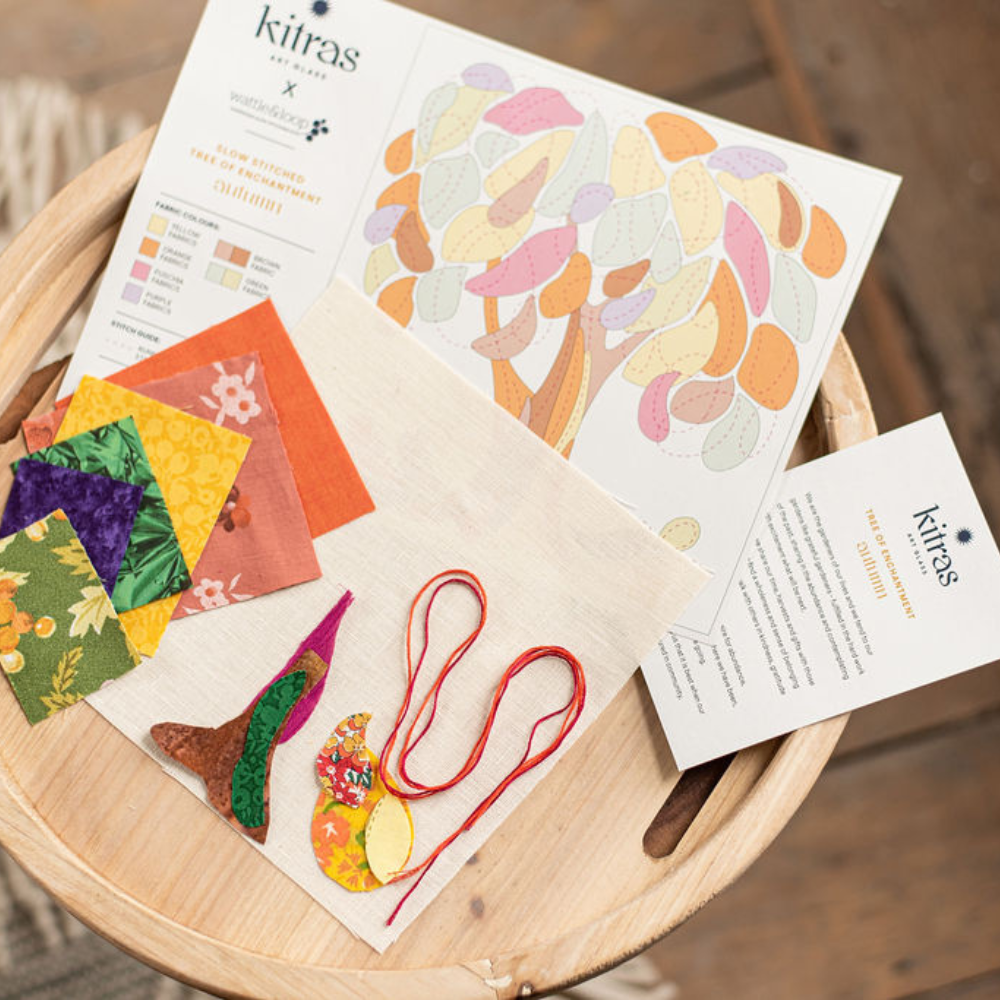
652 291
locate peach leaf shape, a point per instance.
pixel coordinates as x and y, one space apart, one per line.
702 402
512 338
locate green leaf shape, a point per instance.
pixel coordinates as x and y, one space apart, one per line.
75 556
91 612
250 773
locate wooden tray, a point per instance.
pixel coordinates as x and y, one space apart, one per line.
561 891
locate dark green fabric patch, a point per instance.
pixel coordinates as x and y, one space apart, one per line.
250 773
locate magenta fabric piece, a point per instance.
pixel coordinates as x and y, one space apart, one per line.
102 510
321 641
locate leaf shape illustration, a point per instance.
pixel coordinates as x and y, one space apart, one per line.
91 612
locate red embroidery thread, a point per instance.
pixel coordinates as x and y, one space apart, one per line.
406 787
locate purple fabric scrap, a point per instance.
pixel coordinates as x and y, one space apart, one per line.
321 641
101 510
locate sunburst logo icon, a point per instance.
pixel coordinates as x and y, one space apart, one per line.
963 536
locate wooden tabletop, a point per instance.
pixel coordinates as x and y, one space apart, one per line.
911 898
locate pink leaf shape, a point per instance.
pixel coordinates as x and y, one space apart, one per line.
512 338
531 264
487 76
532 110
620 313
381 224
745 247
516 201
654 420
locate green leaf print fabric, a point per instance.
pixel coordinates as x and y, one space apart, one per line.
60 638
154 565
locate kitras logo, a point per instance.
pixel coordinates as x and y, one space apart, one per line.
932 533
293 36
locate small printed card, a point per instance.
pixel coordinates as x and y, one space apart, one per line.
875 573
60 638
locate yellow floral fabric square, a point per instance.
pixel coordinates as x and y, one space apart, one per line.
195 463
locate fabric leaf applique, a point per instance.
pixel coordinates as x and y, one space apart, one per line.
344 765
234 759
75 556
61 696
91 612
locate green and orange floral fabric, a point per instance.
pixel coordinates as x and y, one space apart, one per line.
60 638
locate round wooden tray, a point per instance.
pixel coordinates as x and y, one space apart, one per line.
563 890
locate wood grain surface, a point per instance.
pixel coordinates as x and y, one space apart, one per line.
135 855
908 86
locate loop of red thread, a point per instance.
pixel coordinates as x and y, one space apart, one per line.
571 712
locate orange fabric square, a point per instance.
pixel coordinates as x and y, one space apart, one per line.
331 490
148 247
240 257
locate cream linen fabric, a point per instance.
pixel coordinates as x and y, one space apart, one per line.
457 482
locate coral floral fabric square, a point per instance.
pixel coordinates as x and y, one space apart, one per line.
331 490
261 540
195 463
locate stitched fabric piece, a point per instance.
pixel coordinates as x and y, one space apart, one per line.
327 481
195 463
153 565
215 754
343 765
388 837
251 770
338 834
60 638
101 510
261 541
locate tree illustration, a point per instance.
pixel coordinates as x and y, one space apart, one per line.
688 266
